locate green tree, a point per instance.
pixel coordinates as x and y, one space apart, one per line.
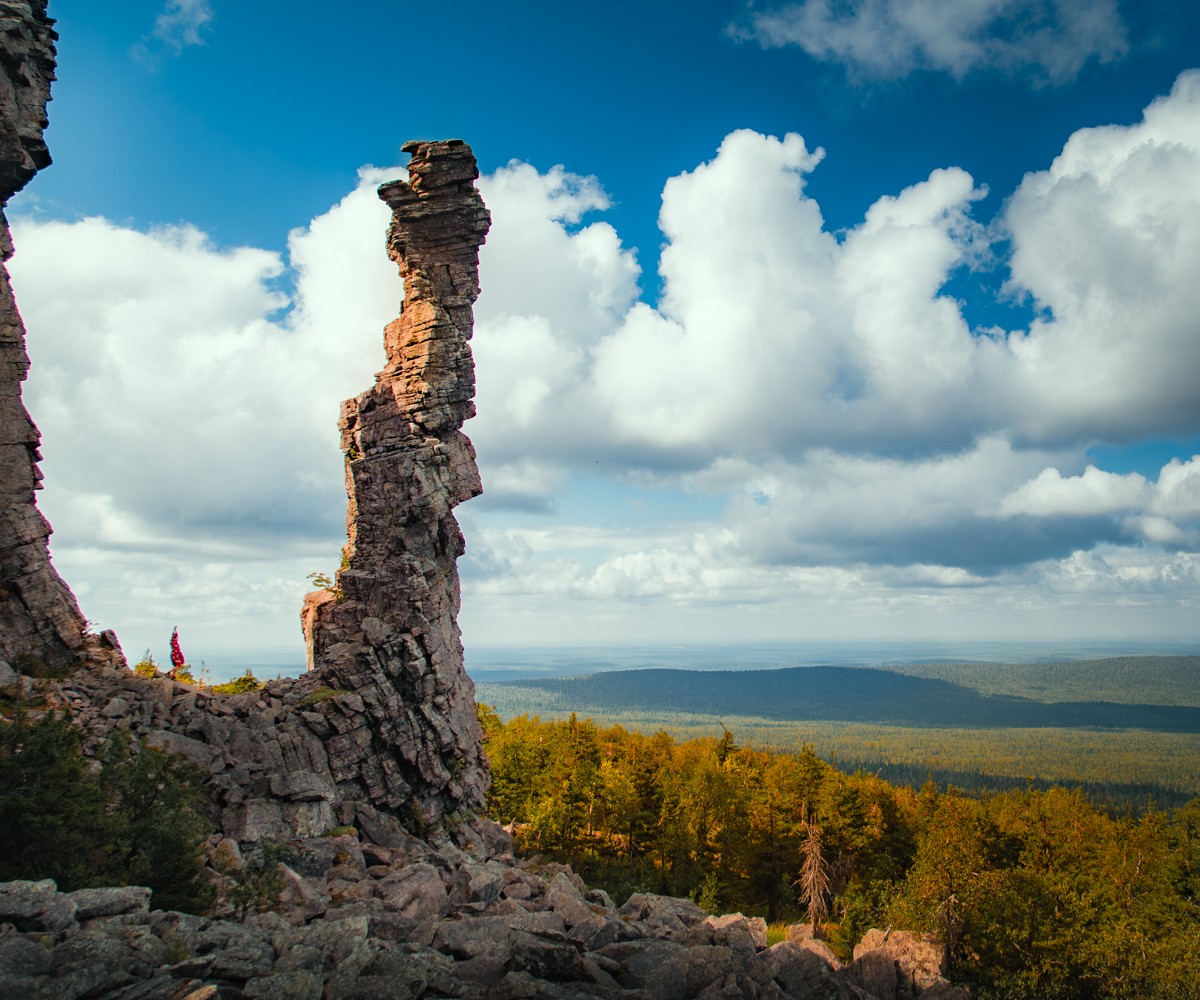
520 754
942 886
53 814
157 826
135 823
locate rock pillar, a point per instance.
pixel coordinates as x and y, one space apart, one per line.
40 622
387 629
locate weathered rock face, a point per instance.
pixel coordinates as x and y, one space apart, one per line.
27 56
381 734
388 629
291 760
39 618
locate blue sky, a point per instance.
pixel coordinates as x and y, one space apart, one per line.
801 322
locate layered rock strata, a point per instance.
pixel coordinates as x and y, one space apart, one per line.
387 629
40 622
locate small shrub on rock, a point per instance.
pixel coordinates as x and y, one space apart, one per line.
341 831
319 695
146 667
253 883
246 684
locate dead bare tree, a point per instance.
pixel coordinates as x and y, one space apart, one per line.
814 876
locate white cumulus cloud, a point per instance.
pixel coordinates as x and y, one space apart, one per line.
818 401
1094 492
1107 242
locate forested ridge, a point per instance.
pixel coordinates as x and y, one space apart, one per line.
1121 728
852 694
1036 893
1147 680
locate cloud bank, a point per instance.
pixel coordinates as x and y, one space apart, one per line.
802 432
1050 40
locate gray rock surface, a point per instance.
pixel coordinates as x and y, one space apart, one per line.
388 629
40 622
105 944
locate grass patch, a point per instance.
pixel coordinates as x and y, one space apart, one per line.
321 694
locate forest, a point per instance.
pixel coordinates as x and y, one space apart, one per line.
1035 893
979 726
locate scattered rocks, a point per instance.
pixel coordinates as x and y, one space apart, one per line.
105 944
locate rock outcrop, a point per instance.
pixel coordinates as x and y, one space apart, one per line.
381 733
387 628
359 921
40 622
283 762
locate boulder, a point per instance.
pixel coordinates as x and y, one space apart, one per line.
35 906
897 965
22 957
110 901
416 891
798 971
736 931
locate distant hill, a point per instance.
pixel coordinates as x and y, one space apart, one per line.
893 696
1144 680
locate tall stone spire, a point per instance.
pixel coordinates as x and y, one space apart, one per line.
388 629
40 622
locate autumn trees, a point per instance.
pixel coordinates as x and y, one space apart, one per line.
647 812
1033 893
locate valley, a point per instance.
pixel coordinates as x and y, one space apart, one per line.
977 726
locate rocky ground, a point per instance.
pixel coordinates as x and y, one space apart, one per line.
430 920
380 912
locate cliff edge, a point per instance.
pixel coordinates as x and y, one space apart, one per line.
40 622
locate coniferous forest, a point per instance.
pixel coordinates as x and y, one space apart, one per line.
1124 729
1035 893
